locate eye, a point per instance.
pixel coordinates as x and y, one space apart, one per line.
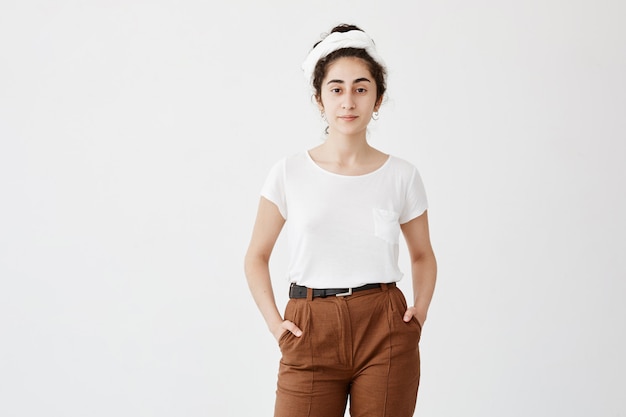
335 90
361 90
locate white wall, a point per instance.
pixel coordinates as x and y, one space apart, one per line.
134 137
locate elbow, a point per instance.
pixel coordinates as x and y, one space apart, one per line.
426 255
424 259
247 265
252 262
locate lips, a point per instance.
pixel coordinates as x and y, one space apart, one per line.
348 118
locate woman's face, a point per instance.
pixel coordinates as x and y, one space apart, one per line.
348 96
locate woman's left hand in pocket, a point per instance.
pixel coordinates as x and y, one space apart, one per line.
412 312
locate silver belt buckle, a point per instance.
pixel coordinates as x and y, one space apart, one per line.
345 294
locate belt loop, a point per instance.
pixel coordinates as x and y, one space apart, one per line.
383 287
309 294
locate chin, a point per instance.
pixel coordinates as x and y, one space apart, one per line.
350 132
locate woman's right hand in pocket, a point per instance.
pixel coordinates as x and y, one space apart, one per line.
286 326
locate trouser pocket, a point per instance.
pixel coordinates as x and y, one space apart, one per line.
398 306
291 346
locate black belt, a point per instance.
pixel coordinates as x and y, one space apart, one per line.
298 291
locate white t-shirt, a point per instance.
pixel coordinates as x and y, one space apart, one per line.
343 231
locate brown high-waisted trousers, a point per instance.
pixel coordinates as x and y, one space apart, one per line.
356 346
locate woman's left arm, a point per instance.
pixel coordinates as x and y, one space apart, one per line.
423 266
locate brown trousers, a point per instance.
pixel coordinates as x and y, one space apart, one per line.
356 346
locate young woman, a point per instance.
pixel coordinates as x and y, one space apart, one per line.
347 331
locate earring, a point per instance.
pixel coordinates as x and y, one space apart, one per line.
375 116
323 114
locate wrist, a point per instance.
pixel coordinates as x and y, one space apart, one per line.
420 314
273 326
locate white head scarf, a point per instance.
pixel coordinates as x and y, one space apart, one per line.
335 41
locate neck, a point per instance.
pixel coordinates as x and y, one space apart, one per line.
346 149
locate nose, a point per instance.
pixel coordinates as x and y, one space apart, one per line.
348 102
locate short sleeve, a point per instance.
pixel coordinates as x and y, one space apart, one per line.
416 202
274 187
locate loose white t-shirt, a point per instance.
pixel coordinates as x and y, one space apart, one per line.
343 231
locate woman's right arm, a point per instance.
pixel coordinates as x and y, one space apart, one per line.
269 222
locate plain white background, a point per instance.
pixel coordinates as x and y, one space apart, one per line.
134 139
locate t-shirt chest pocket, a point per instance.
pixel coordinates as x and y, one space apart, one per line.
386 225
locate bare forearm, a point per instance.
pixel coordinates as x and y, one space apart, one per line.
424 271
260 284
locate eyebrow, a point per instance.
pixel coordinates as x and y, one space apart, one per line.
358 80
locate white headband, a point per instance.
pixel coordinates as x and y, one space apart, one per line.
335 41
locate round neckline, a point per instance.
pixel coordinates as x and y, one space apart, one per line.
316 165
